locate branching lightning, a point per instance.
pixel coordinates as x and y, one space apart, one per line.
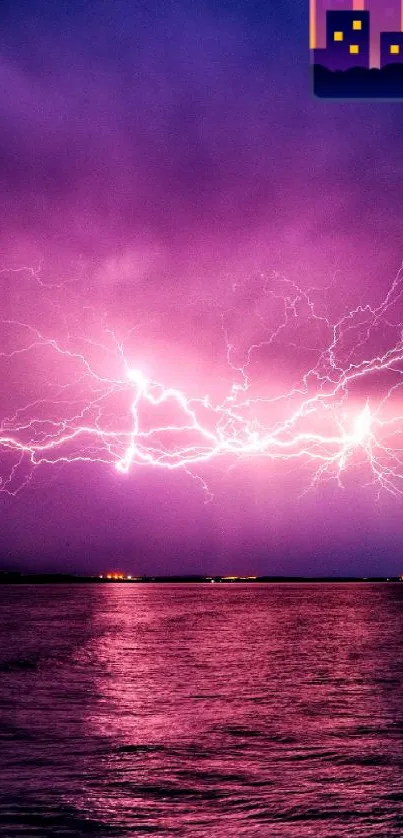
341 415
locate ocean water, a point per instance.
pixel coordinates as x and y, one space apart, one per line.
201 710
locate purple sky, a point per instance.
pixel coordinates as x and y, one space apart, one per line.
170 158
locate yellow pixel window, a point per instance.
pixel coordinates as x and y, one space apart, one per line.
354 49
394 49
338 36
357 24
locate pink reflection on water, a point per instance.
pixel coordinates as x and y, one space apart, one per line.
262 707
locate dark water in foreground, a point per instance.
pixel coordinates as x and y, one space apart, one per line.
205 710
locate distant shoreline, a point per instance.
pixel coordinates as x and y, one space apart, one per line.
17 578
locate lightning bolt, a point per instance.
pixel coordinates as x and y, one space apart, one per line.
341 414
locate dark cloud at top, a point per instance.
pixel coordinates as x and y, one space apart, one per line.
188 128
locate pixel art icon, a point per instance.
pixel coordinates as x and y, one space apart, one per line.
356 48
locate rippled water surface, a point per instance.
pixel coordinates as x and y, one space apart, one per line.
201 710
